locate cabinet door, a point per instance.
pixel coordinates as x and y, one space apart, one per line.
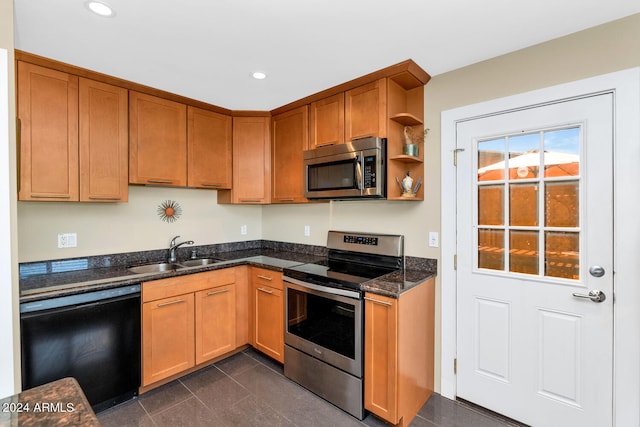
327 121
290 132
48 142
215 322
209 149
380 357
167 337
365 111
104 142
251 162
158 141
269 321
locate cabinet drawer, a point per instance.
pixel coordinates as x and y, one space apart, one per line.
165 288
264 276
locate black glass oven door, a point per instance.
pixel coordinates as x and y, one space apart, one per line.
325 326
325 322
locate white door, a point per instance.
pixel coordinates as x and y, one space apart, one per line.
534 238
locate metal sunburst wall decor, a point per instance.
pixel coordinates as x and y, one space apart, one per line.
169 211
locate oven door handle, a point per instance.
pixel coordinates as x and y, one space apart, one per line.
325 289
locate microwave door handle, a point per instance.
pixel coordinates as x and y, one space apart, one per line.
359 161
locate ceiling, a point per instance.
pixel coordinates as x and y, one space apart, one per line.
207 49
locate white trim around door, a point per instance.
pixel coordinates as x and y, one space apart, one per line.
625 85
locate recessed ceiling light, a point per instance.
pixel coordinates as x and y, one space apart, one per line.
259 75
100 8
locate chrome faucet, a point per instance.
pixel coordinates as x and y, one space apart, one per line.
173 246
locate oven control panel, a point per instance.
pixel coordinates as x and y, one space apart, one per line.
361 240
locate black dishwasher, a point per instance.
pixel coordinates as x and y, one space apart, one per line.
93 337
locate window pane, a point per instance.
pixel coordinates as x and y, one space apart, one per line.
562 255
523 253
524 156
491 205
523 204
561 204
491 160
491 249
562 152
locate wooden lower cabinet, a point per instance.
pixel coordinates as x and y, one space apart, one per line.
187 321
167 337
268 312
215 322
398 353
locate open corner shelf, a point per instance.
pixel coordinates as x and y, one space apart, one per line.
406 158
406 119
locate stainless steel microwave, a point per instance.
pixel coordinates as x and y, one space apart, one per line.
356 169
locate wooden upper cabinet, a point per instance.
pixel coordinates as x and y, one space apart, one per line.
209 149
251 162
104 142
290 137
366 111
327 121
48 138
158 141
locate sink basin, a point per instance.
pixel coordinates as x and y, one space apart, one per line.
198 262
154 268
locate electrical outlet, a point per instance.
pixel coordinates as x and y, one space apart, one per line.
433 239
243 230
307 230
67 240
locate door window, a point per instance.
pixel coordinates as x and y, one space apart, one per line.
528 204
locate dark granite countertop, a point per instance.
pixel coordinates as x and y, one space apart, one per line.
51 279
394 284
59 403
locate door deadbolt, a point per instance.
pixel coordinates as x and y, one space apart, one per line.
596 271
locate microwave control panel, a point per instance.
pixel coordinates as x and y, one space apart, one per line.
369 172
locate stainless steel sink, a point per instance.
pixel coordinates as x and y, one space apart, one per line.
155 268
199 262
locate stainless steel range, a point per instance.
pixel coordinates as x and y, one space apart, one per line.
324 315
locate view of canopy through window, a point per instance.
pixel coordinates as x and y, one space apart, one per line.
528 203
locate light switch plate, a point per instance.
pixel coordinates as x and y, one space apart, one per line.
243 230
433 239
307 230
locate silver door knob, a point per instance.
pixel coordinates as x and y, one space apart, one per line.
596 271
594 295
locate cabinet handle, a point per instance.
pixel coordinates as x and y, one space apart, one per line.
260 276
327 144
286 200
170 302
250 200
159 181
265 290
378 301
103 198
206 184
217 292
50 196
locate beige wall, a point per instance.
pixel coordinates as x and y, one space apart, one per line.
9 318
134 226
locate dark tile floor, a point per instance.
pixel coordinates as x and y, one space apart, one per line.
249 389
